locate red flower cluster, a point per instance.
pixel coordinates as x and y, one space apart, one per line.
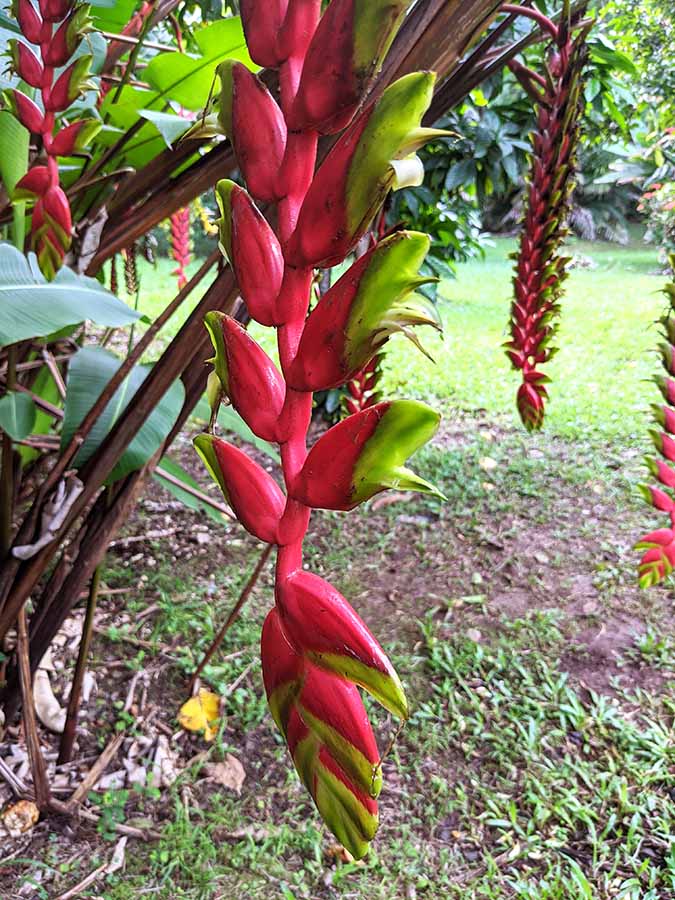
53 32
315 648
540 269
658 560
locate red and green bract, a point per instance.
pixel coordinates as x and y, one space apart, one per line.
540 268
658 560
52 33
316 650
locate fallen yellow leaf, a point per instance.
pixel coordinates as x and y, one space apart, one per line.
201 713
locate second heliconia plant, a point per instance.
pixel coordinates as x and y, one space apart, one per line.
316 650
658 559
47 60
540 266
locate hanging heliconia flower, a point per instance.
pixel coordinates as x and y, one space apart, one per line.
658 560
52 33
316 651
540 268
180 243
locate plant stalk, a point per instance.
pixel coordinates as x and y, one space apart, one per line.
70 729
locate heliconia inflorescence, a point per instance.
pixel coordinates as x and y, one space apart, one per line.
47 60
658 560
180 243
540 268
316 651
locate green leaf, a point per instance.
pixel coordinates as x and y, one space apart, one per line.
112 15
88 373
173 468
17 415
171 127
188 80
31 307
14 139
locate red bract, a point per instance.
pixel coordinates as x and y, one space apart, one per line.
540 269
316 650
659 558
51 221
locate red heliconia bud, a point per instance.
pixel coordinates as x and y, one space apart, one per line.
664 444
667 388
29 21
662 471
33 184
253 251
57 208
666 417
254 123
262 21
323 627
346 51
66 39
74 137
365 454
55 10
69 85
657 498
359 171
28 113
26 63
248 376
254 495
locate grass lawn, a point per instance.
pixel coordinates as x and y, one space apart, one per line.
597 389
539 761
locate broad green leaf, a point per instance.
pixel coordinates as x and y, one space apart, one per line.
89 372
17 415
32 307
173 468
171 127
14 139
187 79
112 15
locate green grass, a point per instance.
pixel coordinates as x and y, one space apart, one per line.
606 334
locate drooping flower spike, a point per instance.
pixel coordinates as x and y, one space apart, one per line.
658 559
540 267
56 28
316 650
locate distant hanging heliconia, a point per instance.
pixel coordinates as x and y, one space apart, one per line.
55 68
658 560
540 267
